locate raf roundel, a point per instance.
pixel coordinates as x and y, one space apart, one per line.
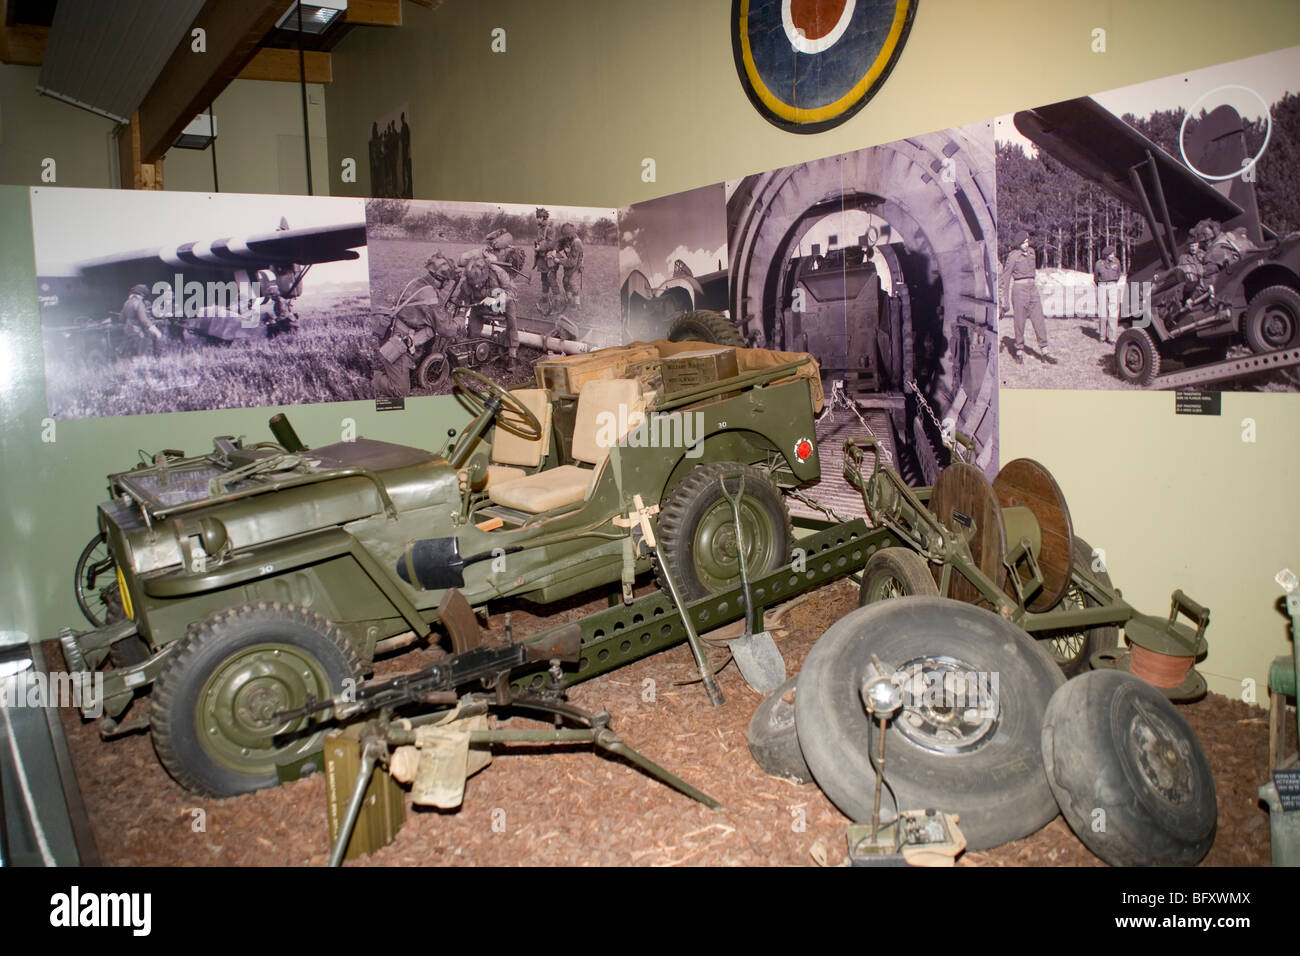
803 449
808 65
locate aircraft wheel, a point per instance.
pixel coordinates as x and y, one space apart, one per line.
1117 753
773 741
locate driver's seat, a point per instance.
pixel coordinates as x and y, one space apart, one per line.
602 403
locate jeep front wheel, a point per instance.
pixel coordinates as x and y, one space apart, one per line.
697 530
214 703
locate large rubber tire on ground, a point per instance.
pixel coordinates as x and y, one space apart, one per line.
981 762
1114 743
212 705
895 572
773 741
705 326
1137 360
1272 320
1074 649
696 530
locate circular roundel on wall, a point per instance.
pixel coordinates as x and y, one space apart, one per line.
808 65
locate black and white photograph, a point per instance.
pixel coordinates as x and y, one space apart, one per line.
390 155
488 287
1148 235
880 264
169 301
672 260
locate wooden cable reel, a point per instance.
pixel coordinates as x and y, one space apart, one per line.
1024 501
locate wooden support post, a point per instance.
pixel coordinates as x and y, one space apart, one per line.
134 174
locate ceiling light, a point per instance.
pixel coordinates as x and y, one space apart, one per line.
317 15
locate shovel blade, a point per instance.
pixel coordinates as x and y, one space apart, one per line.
759 661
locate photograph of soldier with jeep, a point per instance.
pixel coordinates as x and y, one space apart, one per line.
1148 235
485 286
170 302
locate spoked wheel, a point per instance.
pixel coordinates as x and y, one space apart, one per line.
895 572
1073 649
434 371
966 741
214 706
1128 772
95 581
697 530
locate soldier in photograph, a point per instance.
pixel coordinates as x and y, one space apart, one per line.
410 326
1106 272
544 250
1017 284
568 258
143 332
485 287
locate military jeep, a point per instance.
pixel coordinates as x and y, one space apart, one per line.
246 582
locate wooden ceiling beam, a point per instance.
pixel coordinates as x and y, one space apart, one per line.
374 13
23 44
282 65
190 81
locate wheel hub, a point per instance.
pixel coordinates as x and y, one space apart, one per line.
239 702
717 552
1161 756
948 706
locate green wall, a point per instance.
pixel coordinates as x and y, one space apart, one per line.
259 145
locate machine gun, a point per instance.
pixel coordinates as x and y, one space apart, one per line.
437 683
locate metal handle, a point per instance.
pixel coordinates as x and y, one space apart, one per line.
1197 612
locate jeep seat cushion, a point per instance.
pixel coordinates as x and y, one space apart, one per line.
553 488
607 410
510 449
501 474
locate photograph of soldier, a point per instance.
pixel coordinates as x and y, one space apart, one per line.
1018 294
142 331
568 260
390 156
544 250
1162 213
235 300
411 324
499 314
886 274
672 259
1107 272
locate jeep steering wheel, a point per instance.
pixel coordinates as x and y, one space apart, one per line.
478 388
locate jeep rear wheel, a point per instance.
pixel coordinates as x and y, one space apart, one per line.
697 532
1137 360
214 703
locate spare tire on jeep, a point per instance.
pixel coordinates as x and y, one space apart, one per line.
705 326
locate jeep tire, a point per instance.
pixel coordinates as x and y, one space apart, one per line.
705 326
697 534
213 703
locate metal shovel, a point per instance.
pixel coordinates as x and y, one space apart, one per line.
757 656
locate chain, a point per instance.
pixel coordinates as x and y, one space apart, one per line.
840 399
945 436
812 502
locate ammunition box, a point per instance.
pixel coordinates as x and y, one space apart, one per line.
697 368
